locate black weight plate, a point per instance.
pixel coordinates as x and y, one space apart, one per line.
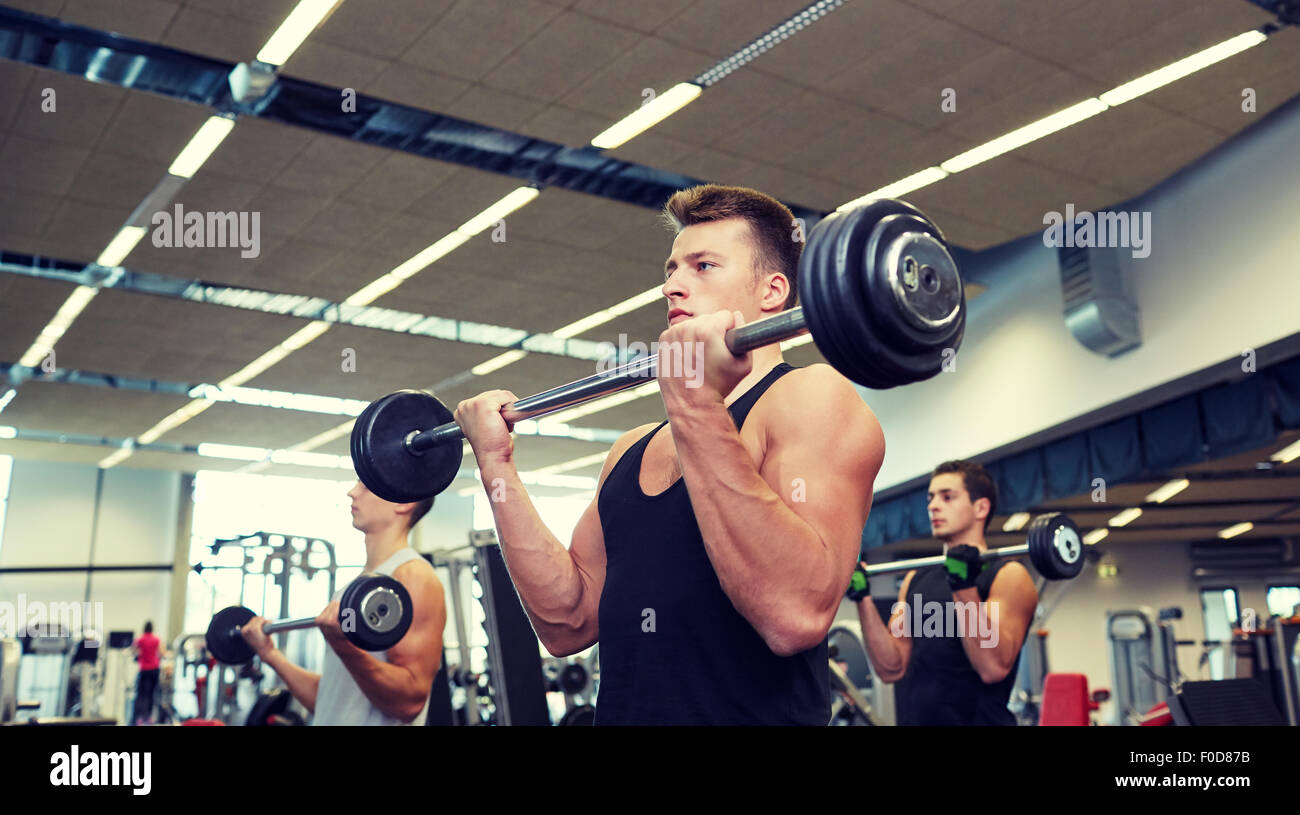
1055 546
820 308
915 356
270 704
379 621
379 452
924 345
573 678
813 262
889 313
855 264
224 641
580 716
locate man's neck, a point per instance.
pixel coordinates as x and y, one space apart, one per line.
765 359
971 537
382 544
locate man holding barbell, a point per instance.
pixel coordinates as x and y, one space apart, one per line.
711 563
958 668
357 687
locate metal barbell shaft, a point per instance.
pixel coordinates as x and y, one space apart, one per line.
778 327
289 625
938 560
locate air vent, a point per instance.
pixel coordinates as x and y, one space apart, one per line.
1099 310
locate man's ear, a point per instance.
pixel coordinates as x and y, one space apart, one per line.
776 291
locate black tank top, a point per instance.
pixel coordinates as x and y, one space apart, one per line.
940 686
673 648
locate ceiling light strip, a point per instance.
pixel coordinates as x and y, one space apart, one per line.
1068 117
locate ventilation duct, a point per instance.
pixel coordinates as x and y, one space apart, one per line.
1100 310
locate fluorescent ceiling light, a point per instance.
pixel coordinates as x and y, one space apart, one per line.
513 201
373 290
174 419
121 245
58 325
431 253
296 27
1168 490
1126 517
1287 454
191 158
236 451
304 459
7 432
1236 529
116 458
1065 118
1024 135
1096 535
913 182
260 397
1016 522
497 362
795 342
305 335
1187 65
648 115
603 316
7 398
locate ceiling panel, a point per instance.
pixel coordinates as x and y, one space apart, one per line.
92 411
250 426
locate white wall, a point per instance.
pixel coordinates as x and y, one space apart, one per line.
66 514
1223 276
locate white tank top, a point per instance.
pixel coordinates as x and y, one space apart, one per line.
339 700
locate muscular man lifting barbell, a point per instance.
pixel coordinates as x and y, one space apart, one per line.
357 686
953 641
712 561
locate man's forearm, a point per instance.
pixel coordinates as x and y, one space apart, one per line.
301 682
391 688
540 567
882 649
771 563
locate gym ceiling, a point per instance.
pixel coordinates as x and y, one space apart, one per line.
844 106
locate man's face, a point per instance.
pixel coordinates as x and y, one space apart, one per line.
371 513
711 268
950 507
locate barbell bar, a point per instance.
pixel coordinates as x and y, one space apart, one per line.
374 613
879 292
1052 542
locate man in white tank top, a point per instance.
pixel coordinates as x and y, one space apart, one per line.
357 687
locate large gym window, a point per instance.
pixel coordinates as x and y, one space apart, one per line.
1283 601
6 470
1221 613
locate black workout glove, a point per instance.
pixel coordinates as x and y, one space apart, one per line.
859 584
964 565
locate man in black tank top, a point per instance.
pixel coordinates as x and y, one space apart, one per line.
712 562
953 641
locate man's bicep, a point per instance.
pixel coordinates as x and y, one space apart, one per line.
420 650
1014 597
824 462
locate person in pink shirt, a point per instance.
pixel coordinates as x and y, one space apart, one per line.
148 652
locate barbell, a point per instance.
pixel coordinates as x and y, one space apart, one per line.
1052 542
879 292
374 613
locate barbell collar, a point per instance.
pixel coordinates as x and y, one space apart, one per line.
740 341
